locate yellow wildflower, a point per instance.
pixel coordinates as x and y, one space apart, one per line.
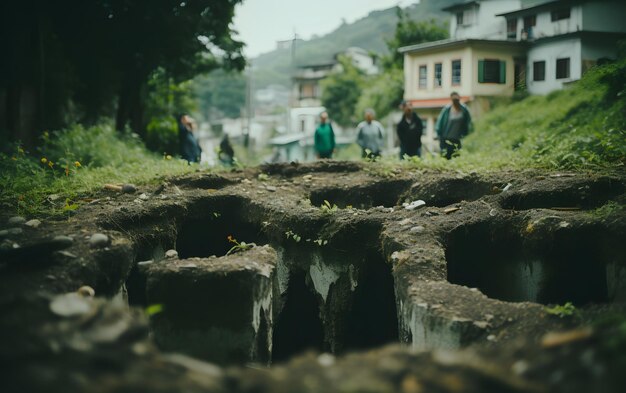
50 164
44 160
20 150
77 164
168 157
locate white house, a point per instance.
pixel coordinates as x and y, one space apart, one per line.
566 38
497 47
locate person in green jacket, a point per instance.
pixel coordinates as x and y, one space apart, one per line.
324 138
454 123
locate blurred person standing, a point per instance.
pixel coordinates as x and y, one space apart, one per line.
453 124
189 148
324 138
410 130
370 135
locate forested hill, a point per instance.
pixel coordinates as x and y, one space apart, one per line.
368 33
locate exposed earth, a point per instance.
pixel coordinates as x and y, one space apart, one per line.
333 276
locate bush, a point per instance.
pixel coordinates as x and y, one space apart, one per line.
162 135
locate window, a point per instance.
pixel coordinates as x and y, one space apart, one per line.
560 14
422 76
491 71
456 72
438 67
459 18
527 31
530 21
539 71
562 68
511 29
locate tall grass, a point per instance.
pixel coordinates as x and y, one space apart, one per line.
72 163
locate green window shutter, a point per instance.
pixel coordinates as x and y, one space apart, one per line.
481 71
503 72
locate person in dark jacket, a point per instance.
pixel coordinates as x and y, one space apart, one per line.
324 138
226 153
189 148
454 123
410 129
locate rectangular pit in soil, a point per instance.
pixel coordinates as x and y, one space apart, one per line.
571 266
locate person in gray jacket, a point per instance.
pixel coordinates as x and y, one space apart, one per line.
370 135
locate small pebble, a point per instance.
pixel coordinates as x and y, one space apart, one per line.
15 231
17 220
417 229
4 233
270 188
86 291
33 223
144 197
170 254
98 240
129 188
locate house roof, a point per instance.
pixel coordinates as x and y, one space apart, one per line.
460 5
451 43
610 35
540 7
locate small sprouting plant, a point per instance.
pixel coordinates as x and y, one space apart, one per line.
320 242
69 207
216 214
566 310
263 177
238 246
154 309
294 236
327 208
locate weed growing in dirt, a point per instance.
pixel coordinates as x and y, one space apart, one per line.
327 208
566 310
238 246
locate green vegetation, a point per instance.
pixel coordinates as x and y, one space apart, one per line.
327 208
566 310
341 92
72 164
582 127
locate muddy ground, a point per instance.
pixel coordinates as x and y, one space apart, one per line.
359 279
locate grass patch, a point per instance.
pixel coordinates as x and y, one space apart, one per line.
73 163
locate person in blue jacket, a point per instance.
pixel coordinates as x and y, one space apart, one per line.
189 148
453 124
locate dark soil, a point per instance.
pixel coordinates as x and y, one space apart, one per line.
447 297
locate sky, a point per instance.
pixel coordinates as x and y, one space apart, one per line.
261 23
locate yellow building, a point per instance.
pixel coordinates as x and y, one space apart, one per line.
474 68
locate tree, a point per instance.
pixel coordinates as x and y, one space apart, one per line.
341 92
410 32
97 56
385 91
222 92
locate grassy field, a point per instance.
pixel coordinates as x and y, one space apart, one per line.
580 128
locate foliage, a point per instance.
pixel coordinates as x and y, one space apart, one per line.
382 93
220 94
411 32
162 135
583 126
566 310
238 246
327 208
341 92
72 164
100 54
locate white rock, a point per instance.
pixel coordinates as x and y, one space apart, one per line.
417 229
144 197
70 304
17 220
415 205
98 240
170 254
33 223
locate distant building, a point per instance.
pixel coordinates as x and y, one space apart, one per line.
497 47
